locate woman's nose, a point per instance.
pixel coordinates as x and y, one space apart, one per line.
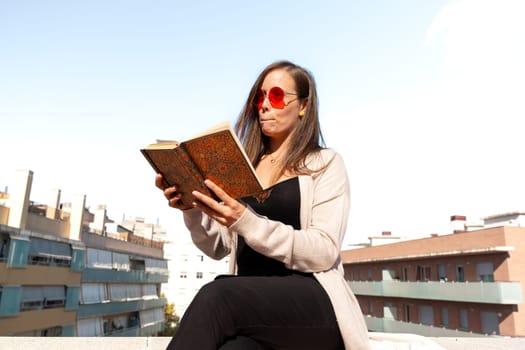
265 104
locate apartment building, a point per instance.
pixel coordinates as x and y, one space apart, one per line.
190 270
67 272
466 283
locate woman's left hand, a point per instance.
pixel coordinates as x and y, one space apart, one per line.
226 212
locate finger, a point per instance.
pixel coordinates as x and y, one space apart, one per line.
171 192
175 202
221 194
159 181
173 197
211 213
205 200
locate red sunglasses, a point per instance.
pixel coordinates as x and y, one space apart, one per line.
275 96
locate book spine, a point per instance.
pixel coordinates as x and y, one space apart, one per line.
146 155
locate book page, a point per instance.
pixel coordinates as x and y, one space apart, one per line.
163 144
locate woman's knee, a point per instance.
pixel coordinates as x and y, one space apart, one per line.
214 293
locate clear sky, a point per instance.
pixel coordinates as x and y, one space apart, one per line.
424 99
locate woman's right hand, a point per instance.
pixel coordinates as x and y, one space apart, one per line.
171 194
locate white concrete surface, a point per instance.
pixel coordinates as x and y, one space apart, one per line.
160 343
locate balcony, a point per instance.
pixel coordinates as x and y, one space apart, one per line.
94 310
377 324
106 275
137 331
507 293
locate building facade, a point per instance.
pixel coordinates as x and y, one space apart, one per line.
466 283
190 269
63 273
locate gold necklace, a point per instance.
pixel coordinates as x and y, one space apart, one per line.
273 159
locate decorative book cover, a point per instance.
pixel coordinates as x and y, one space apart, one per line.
216 154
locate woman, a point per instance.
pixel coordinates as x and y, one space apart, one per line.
288 291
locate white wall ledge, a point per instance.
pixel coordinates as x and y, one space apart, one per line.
160 343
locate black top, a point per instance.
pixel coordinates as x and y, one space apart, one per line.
281 202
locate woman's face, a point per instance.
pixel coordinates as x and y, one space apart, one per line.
277 123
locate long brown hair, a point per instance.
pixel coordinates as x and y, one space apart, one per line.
307 137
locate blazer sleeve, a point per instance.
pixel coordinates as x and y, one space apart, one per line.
316 246
211 238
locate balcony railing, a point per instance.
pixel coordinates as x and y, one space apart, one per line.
100 309
377 324
131 276
508 293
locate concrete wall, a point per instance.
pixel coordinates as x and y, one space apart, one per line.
107 243
4 215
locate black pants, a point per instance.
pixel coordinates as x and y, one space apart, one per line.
259 313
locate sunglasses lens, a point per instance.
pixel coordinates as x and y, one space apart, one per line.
276 97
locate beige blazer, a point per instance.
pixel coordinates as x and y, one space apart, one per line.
325 204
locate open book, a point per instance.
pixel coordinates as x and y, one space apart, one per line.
215 154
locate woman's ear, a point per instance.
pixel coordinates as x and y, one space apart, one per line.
304 103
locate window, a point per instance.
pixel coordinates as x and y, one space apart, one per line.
199 275
46 332
157 266
120 262
463 318
183 275
51 332
441 273
149 291
137 265
489 323
89 327
405 273
460 273
114 324
485 271
151 317
48 304
99 259
46 252
42 297
124 291
407 313
93 293
423 273
133 320
426 314
444 316
4 248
